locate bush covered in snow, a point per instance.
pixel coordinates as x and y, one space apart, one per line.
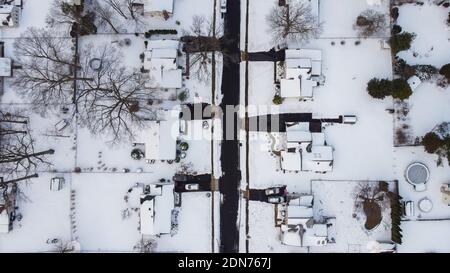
379 88
277 100
401 89
445 71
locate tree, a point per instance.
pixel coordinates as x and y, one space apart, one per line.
293 21
18 158
379 88
431 142
71 16
370 23
445 71
201 43
113 14
47 74
401 41
115 101
106 15
401 89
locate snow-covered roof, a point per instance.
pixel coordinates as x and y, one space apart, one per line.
320 159
5 67
301 65
160 137
291 161
152 6
160 59
156 211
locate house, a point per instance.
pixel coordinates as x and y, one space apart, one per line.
299 228
160 59
160 137
156 209
303 72
10 12
158 7
305 151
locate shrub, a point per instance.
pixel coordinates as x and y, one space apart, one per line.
400 42
370 22
448 19
404 70
401 89
277 100
379 88
395 13
183 96
396 29
431 142
445 71
425 71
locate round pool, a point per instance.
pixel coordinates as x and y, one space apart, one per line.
417 173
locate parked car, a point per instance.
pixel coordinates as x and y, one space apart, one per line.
274 191
223 6
192 187
276 199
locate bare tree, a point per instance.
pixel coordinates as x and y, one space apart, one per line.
201 43
145 245
117 13
47 64
18 158
115 101
294 21
64 14
106 15
370 23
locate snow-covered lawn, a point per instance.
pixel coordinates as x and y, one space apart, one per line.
428 106
431 44
425 237
45 215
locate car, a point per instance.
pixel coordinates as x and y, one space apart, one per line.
273 191
223 6
192 187
276 199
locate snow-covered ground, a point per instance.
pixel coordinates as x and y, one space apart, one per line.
431 44
425 237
